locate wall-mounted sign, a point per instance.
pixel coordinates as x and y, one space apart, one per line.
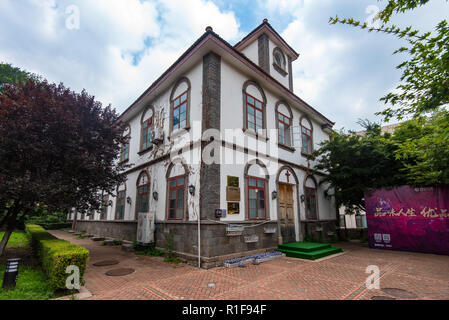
232 194
220 213
233 181
233 207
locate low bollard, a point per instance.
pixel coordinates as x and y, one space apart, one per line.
11 274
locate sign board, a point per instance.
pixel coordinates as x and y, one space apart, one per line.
220 213
233 207
232 194
410 219
233 181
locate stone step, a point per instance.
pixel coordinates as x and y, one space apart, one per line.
108 242
128 247
97 238
77 233
71 231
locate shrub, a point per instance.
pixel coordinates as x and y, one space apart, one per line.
56 255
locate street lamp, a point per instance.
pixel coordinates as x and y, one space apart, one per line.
11 273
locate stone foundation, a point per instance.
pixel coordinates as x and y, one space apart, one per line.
312 232
126 230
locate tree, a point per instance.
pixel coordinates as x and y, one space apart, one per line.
423 147
58 148
10 75
424 83
356 163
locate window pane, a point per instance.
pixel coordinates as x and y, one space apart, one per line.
177 101
184 108
251 125
172 194
252 182
183 116
253 213
258 104
180 198
261 183
250 111
176 118
250 100
171 214
183 124
261 213
184 97
179 213
173 183
180 181
172 204
252 194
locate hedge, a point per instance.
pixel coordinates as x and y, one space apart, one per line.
56 255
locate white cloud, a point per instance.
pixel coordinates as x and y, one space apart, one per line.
99 56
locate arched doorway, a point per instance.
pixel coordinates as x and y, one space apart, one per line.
287 182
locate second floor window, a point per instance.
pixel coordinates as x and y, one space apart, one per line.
143 194
124 152
306 136
254 113
179 115
284 123
147 126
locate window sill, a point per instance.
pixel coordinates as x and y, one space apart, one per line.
142 152
305 155
255 134
280 70
285 147
177 133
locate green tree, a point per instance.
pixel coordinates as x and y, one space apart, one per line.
356 163
10 74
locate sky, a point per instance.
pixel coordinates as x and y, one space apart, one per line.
115 49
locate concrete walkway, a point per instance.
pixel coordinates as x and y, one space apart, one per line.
403 275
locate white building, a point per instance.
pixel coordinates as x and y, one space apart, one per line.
222 129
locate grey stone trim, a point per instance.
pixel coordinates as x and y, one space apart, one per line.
211 119
290 74
264 53
126 230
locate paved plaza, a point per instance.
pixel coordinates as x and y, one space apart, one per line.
403 275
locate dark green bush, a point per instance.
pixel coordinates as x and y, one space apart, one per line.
56 255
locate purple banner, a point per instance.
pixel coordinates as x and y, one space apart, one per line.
408 218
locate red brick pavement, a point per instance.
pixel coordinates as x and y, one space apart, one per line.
339 277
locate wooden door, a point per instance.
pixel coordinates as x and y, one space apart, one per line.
286 214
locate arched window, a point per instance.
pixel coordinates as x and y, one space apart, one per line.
284 122
254 106
279 61
306 136
146 129
120 202
124 152
104 206
180 105
143 193
311 202
176 191
256 191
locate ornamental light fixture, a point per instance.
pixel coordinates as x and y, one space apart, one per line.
274 194
128 199
155 195
303 198
192 189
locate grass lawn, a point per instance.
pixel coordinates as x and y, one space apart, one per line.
32 282
31 285
18 240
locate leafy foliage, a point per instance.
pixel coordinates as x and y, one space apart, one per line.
57 148
424 83
356 163
11 75
56 255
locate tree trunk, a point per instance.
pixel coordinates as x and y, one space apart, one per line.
4 241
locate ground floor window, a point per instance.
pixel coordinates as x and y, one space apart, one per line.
176 189
257 198
104 207
143 194
311 211
120 207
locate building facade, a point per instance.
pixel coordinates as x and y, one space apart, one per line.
218 147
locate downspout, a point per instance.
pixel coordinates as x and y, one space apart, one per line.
199 241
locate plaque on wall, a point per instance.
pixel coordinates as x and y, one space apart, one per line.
233 181
233 207
232 194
